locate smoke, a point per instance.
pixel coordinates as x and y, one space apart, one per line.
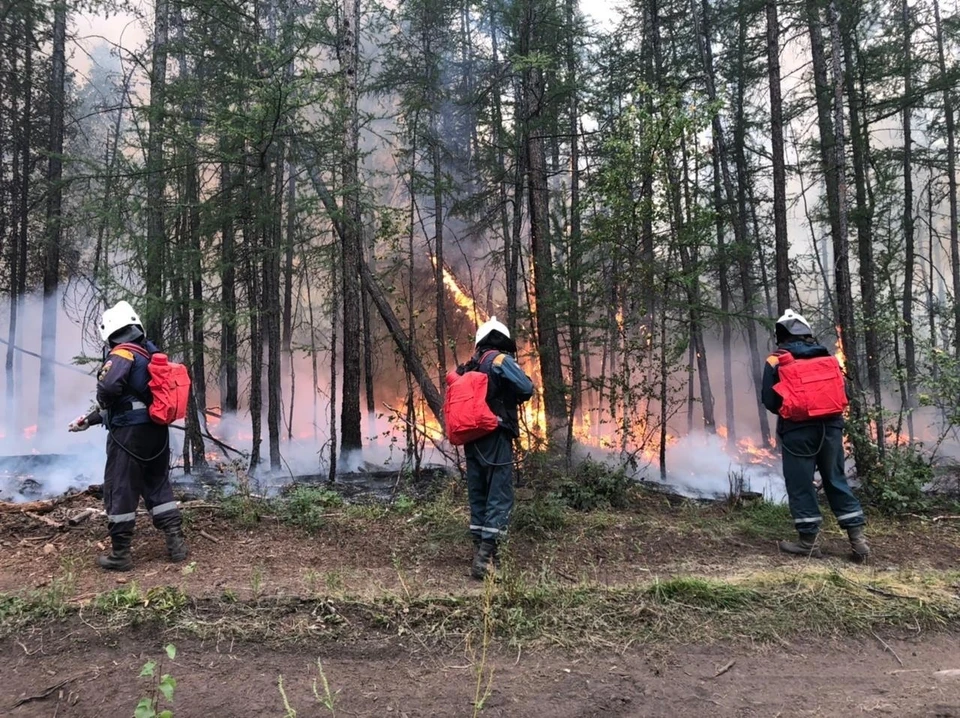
699 466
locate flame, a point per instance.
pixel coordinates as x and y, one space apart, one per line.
841 356
30 432
460 297
755 454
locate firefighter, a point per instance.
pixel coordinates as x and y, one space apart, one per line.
138 450
490 458
810 445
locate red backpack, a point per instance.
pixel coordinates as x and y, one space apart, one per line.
465 410
169 386
810 388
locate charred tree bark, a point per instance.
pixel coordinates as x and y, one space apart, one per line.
726 329
351 241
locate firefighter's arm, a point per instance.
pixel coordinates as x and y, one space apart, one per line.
771 375
113 376
508 368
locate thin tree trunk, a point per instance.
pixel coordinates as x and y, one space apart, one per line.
725 309
228 293
779 166
548 342
909 343
863 218
350 431
739 221
951 178
155 175
54 188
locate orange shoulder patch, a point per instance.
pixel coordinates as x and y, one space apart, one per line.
773 360
123 354
499 359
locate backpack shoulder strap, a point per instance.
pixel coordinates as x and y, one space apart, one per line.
135 348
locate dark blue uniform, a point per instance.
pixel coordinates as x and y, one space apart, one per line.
490 459
138 450
807 447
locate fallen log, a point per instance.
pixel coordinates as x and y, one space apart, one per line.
79 518
44 520
40 507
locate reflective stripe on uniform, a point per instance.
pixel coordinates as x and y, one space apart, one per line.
814 520
120 518
164 508
137 405
474 527
850 516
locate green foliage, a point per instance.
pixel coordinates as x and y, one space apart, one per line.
593 485
162 686
897 485
540 516
306 506
762 519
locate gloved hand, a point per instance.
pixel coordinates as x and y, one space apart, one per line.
78 424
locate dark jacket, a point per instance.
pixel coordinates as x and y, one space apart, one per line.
800 349
122 386
507 386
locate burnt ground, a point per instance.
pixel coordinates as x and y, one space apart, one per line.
814 651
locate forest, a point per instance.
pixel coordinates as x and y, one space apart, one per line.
313 205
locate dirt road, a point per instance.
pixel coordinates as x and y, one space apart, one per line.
395 678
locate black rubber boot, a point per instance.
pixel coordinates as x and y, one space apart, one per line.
806 545
176 545
858 544
119 558
483 560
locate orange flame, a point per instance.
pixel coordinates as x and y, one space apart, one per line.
841 356
460 297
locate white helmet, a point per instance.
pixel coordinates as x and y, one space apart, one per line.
490 326
117 317
795 324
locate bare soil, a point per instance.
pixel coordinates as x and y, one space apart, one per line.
398 678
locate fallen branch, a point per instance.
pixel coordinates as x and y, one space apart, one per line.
83 516
39 507
44 520
724 669
946 518
209 537
51 689
887 647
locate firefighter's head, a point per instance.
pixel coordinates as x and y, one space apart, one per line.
792 326
495 335
120 324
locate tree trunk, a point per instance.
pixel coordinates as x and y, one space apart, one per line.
833 163
909 271
739 221
230 389
156 183
863 218
547 327
779 167
350 432
951 177
575 249
54 188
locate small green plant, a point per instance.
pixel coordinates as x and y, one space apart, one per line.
404 504
307 506
326 698
540 516
161 686
484 673
256 580
702 592
897 485
593 485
